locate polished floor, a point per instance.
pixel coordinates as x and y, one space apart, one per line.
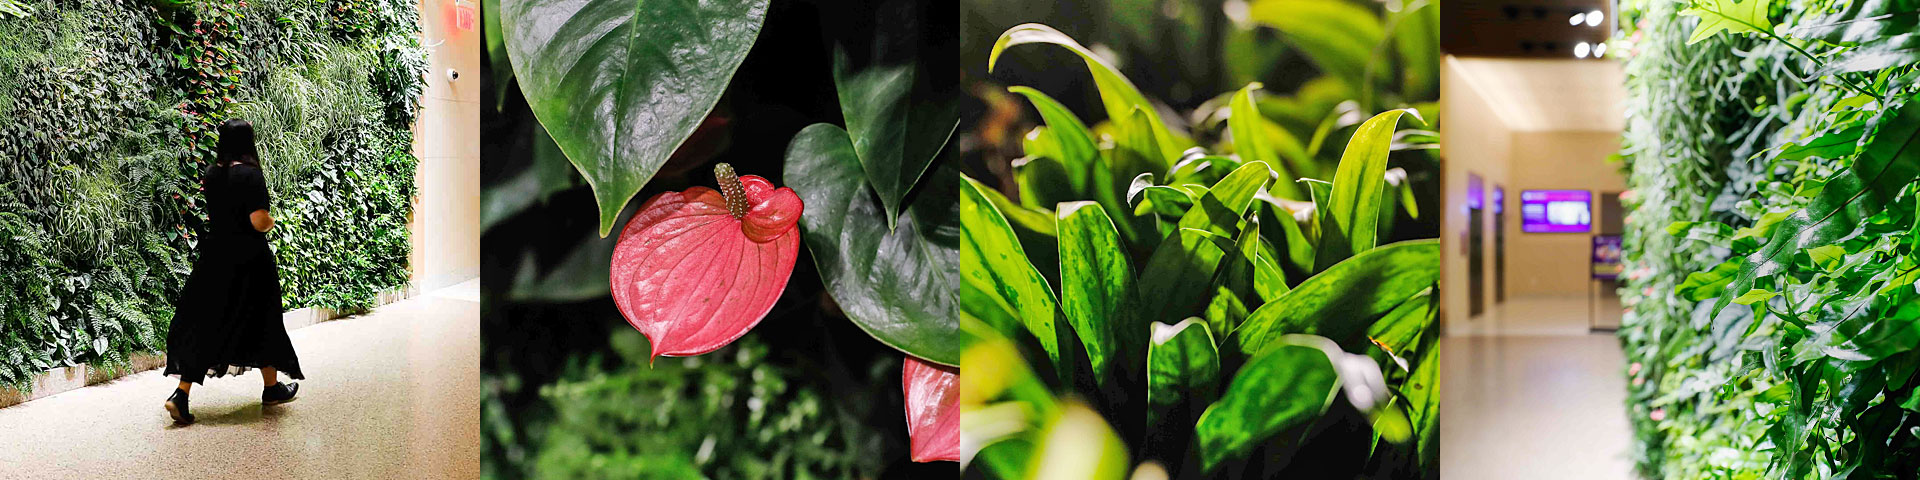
1542 400
390 394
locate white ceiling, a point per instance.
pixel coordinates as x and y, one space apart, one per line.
1548 95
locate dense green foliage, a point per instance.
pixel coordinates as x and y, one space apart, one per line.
1773 286
107 116
625 419
1191 310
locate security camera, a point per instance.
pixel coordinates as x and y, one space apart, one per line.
453 75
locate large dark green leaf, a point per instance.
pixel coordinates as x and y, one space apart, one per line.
993 263
621 84
1344 300
899 285
1886 165
1117 94
1176 278
898 112
1351 220
1096 292
1281 389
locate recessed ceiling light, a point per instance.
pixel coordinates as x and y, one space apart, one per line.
1600 49
1580 50
1594 18
1577 18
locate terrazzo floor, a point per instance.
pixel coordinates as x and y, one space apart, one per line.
391 394
1533 406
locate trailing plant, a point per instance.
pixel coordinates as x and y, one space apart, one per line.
107 110
1154 304
1771 239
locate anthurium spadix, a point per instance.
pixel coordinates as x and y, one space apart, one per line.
695 270
933 410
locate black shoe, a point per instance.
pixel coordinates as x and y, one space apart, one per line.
279 393
177 407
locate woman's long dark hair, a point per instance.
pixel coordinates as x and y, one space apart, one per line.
236 144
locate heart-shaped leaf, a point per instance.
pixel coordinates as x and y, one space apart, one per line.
897 285
898 112
621 84
933 410
695 270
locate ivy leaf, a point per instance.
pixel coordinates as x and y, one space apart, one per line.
896 285
621 85
1733 16
1885 166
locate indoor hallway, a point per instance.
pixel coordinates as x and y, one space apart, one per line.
393 393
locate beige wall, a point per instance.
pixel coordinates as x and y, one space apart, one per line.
1539 265
446 218
1476 141
1556 264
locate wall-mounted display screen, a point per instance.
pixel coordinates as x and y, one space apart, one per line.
1556 211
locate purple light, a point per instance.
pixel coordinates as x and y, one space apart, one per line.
1556 211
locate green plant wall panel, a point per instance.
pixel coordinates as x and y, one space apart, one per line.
1772 287
108 111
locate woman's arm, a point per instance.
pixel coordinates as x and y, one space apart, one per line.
262 220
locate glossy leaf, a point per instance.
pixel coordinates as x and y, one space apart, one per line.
1183 373
1077 149
1248 130
933 410
1117 94
1174 281
993 263
695 270
1344 300
621 85
898 116
1886 165
1350 222
898 286
1097 292
1281 389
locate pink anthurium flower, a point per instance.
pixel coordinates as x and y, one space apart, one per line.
933 410
695 270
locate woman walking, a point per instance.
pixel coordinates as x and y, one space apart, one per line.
228 317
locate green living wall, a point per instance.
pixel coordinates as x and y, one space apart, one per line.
1772 286
108 115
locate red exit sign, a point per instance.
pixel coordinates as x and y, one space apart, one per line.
464 15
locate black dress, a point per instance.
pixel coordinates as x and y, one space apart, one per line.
228 316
